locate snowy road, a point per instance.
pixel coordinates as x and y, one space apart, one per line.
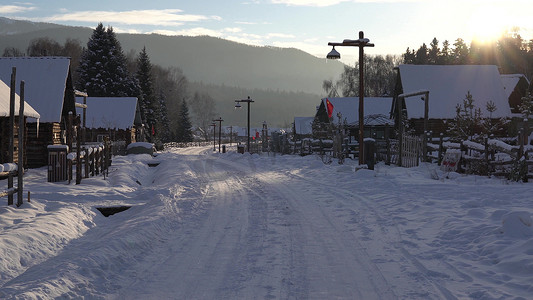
261 235
204 225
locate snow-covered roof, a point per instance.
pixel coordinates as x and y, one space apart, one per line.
303 125
378 120
448 86
45 82
5 95
349 107
510 81
109 112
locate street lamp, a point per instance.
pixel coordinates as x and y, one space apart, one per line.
219 120
238 105
334 54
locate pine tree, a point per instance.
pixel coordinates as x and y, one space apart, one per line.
163 122
434 51
409 56
184 130
460 52
421 57
444 55
146 97
102 71
467 120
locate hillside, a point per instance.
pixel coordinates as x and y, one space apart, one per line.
277 108
286 82
203 59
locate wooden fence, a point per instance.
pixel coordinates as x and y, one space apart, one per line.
88 160
492 157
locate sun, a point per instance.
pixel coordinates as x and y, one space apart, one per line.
487 24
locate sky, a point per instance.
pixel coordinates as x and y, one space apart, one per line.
391 25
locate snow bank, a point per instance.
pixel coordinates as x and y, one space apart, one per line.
517 224
140 144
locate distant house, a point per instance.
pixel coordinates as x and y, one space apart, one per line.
115 117
448 86
303 127
346 109
29 112
515 86
49 90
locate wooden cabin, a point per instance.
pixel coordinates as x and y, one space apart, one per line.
515 86
50 91
303 127
346 110
448 86
113 117
29 112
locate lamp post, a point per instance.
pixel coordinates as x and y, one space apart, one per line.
214 136
219 120
361 43
238 105
265 136
230 134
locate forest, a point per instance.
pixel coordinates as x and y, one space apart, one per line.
511 53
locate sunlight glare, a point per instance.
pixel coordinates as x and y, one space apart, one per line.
487 24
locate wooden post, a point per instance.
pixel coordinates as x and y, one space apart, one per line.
400 129
69 166
96 160
78 154
69 131
84 132
487 154
388 145
86 159
11 133
21 146
93 161
441 148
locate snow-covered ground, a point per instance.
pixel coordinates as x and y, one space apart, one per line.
205 225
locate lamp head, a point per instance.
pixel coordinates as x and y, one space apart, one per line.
237 104
333 54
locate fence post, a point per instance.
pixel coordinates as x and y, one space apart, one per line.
86 159
93 161
441 147
78 154
387 145
399 110
21 145
11 133
425 137
487 154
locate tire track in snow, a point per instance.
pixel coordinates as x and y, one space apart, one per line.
330 265
421 285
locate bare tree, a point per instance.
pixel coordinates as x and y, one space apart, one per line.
12 52
44 46
203 108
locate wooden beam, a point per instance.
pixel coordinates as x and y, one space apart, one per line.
80 105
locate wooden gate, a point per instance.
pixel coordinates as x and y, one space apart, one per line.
57 163
411 149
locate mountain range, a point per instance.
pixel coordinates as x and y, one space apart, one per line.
290 80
